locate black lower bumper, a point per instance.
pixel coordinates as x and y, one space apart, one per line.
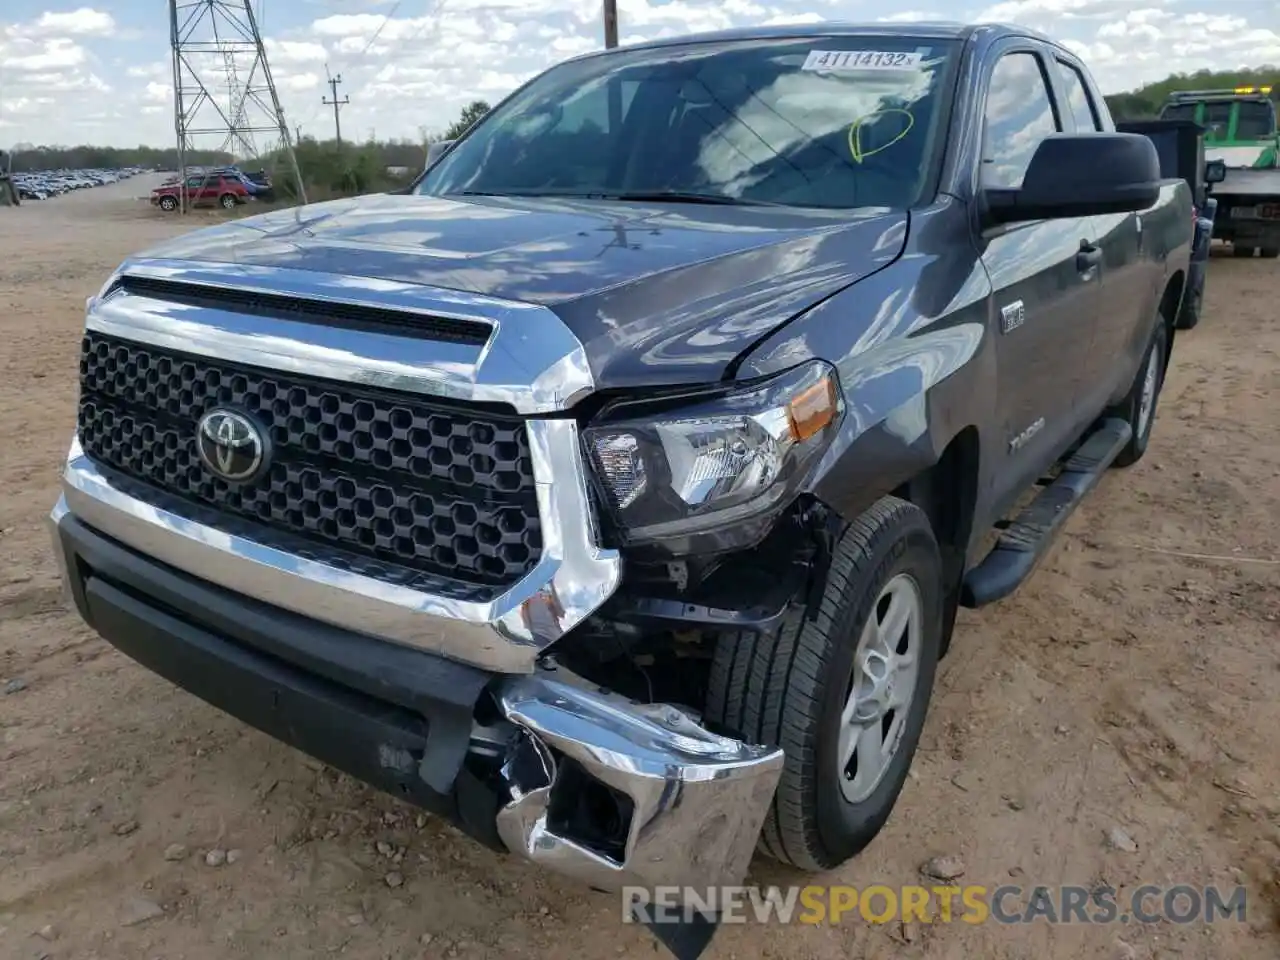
398 719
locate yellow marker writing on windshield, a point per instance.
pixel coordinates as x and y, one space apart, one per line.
855 133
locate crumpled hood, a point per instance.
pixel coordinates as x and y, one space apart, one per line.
657 294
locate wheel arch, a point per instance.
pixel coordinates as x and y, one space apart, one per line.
1170 303
947 492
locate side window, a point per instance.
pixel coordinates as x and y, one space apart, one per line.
1078 100
1019 114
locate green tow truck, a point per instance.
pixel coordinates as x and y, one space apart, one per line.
1240 125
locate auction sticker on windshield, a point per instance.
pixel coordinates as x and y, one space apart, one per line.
861 60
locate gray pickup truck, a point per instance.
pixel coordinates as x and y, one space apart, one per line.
612 492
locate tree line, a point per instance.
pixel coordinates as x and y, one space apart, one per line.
402 152
1145 102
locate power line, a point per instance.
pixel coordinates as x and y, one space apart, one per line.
429 17
336 104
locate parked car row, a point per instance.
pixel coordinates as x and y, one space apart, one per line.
44 184
222 186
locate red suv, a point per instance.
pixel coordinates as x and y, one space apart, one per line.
226 192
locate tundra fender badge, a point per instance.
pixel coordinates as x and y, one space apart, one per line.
1012 316
1022 439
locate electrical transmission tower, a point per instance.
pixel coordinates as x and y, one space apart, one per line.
223 92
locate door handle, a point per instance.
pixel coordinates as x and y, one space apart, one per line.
1088 258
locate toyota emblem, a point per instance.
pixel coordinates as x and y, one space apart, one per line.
231 445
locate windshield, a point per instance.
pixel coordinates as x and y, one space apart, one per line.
836 122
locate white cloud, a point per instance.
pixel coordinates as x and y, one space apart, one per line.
910 16
84 21
299 81
158 68
32 56
294 51
781 19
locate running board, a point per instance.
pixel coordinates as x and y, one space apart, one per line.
1028 537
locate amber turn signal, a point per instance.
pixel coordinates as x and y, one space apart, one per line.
813 409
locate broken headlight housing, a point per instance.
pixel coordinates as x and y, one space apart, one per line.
715 460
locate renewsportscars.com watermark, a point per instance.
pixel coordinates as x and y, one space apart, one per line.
972 904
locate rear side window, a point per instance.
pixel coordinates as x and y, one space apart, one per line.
1255 121
1079 102
1019 114
1217 117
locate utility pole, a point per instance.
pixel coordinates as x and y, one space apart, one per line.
336 104
610 24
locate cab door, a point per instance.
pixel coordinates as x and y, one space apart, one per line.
1045 282
1128 284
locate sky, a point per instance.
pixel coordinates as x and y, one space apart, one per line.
101 73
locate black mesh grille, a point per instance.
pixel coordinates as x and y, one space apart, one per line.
361 473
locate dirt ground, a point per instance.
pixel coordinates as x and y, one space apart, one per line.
1134 682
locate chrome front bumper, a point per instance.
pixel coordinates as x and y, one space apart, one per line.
693 802
573 577
681 805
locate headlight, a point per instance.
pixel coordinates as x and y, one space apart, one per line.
716 462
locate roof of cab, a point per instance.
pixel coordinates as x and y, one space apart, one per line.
924 29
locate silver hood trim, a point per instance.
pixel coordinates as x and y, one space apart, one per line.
531 361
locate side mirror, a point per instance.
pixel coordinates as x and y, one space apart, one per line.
1081 175
437 150
1215 171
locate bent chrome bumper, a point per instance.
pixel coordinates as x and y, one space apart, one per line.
617 793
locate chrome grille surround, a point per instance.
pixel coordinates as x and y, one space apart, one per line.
531 363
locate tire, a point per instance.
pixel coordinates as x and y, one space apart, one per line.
1131 408
169 203
1270 253
227 201
791 688
1238 251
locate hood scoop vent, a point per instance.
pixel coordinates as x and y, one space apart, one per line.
327 312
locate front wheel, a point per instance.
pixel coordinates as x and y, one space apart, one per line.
843 687
228 201
1270 253
169 203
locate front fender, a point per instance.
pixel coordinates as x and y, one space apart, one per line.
915 362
